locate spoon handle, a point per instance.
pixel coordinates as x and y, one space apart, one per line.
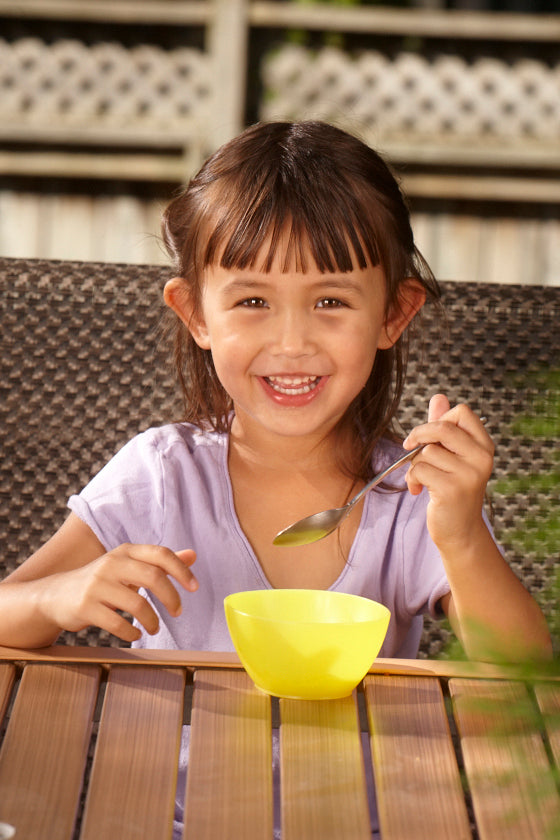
380 476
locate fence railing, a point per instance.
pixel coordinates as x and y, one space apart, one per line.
465 104
180 103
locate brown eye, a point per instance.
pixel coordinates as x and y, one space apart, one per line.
253 302
329 303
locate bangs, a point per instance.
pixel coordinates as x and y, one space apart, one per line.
281 217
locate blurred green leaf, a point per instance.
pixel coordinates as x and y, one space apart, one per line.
537 533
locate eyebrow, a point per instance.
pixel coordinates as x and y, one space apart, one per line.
345 284
243 284
336 283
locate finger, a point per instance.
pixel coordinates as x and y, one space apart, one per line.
119 575
167 561
117 625
414 486
115 578
188 557
462 416
456 429
463 426
104 616
456 450
110 594
156 582
130 601
445 477
438 406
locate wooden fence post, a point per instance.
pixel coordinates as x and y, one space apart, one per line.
227 44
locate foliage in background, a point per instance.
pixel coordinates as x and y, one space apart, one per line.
538 534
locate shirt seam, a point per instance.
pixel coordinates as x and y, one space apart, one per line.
234 519
402 543
163 495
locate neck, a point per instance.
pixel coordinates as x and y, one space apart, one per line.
277 453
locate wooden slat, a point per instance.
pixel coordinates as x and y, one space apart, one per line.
486 187
180 13
419 792
230 761
141 167
7 677
509 775
548 698
323 786
427 22
134 775
497 156
44 752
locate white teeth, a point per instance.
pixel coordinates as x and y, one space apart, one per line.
293 384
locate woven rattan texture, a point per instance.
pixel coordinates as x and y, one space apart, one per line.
82 370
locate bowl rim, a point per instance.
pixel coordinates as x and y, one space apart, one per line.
385 612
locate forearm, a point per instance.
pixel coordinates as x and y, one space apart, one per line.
23 620
490 610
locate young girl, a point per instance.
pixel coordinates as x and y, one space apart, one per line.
297 278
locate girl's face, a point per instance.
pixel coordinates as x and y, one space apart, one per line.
292 349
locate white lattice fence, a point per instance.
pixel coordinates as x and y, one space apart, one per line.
103 91
446 101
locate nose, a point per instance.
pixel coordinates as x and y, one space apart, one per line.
292 334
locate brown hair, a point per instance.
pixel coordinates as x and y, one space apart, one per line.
340 201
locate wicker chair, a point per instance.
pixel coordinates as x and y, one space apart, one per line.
83 369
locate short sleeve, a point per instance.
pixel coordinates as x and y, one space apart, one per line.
124 502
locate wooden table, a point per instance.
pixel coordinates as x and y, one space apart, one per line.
91 736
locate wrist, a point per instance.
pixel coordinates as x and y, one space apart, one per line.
24 623
462 547
42 597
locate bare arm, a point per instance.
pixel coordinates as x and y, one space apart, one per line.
490 610
72 582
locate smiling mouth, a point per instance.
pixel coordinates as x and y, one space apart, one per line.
293 385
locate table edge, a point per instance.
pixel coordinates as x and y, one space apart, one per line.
194 659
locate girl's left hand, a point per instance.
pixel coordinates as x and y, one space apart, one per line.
455 467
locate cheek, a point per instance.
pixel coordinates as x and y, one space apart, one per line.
356 363
361 347
371 345
230 356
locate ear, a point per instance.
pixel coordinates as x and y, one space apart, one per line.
411 298
177 296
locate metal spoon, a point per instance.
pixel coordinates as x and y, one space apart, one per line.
319 525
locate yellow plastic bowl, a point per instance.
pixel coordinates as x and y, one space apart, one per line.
305 643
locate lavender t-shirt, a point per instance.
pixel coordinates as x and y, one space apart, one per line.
170 486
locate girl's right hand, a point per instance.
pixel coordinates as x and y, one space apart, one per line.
92 594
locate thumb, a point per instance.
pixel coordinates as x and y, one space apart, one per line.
439 405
